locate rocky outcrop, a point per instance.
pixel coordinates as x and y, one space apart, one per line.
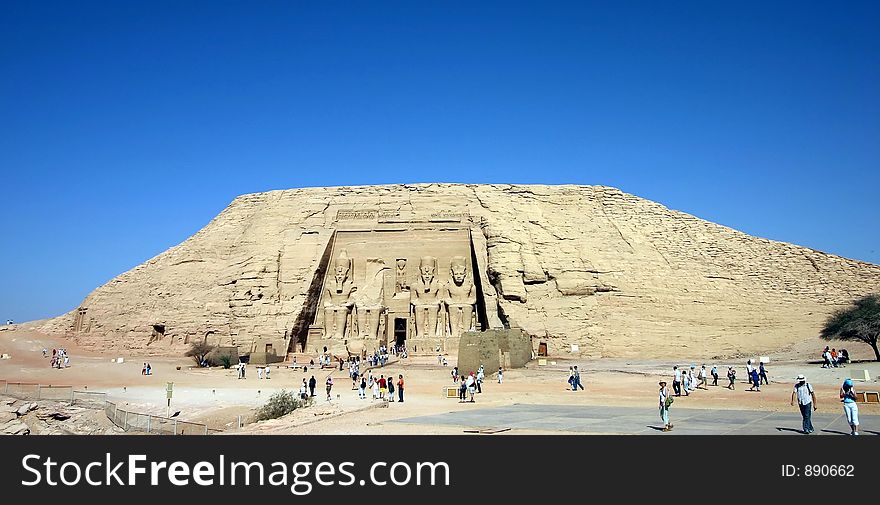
44 417
588 265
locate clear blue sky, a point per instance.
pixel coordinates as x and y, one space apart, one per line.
126 126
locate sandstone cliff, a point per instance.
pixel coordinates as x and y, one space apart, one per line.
587 265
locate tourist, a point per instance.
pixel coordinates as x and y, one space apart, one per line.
571 378
45 352
144 369
806 399
731 376
439 359
755 381
259 372
749 369
665 402
471 388
762 374
692 381
686 383
704 382
714 375
362 390
267 372
834 357
312 384
383 387
375 389
676 380
67 362
329 384
304 391
149 367
400 388
480 376
850 409
577 378
390 388
454 374
500 375
462 391
244 370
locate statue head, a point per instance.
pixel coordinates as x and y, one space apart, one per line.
427 268
401 263
458 268
342 267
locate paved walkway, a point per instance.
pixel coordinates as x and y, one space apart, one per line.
633 421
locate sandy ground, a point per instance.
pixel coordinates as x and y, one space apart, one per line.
216 397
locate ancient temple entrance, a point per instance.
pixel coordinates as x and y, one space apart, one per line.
400 331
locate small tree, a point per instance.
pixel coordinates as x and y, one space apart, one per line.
280 404
198 350
860 322
225 359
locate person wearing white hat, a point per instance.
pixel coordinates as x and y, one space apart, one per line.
806 399
848 397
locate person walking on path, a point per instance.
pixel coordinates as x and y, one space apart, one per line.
676 381
577 379
714 375
762 374
749 369
259 372
850 409
267 372
806 398
704 378
731 377
755 380
329 386
665 402
400 388
312 384
362 390
500 375
471 386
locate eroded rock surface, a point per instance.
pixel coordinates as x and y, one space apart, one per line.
589 265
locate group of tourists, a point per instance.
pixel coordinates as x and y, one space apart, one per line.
470 384
381 388
831 358
574 378
60 358
379 357
806 399
147 369
262 370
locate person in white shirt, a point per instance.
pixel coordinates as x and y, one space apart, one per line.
676 381
469 383
806 398
664 409
704 383
259 373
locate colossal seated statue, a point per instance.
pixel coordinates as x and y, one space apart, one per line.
460 297
368 303
337 298
426 299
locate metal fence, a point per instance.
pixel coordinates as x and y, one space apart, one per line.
125 419
148 423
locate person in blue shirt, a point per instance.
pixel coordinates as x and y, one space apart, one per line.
756 382
850 409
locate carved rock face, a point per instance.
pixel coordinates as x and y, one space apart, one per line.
459 271
426 269
341 274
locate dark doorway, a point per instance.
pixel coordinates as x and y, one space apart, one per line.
400 331
542 349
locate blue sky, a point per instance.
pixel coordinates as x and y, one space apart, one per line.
126 126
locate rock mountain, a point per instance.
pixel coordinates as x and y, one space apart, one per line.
615 274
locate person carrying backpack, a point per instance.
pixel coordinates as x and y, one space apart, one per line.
806 399
665 402
850 409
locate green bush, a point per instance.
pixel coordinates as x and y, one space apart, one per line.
280 404
225 360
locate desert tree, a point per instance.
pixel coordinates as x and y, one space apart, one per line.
198 350
860 322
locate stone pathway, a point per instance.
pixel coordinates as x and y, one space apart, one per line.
639 421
